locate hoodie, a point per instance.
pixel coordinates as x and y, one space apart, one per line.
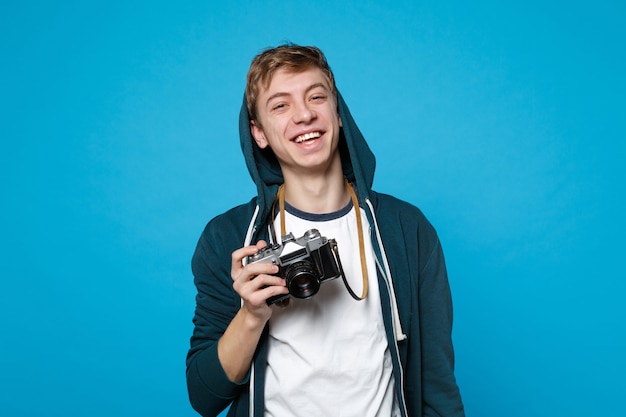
414 290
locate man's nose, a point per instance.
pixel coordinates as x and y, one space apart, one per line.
303 113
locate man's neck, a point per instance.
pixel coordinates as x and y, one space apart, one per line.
318 195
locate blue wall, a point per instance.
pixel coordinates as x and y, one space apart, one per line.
504 123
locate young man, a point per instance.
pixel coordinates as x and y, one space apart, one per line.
375 342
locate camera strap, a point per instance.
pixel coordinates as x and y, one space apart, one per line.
280 199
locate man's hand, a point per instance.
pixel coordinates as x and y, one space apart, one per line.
254 283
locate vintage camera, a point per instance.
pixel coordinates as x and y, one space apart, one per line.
304 269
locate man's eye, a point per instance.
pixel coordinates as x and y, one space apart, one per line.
279 106
318 97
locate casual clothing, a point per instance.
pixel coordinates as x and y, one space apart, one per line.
320 349
411 277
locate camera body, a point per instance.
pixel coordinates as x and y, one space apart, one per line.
306 268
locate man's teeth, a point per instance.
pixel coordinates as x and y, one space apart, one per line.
307 136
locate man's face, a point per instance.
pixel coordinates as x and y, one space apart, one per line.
297 118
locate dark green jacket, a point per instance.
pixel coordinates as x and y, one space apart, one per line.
412 277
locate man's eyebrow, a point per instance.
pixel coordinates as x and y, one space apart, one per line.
316 85
275 95
283 94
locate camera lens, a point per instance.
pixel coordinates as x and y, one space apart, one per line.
302 279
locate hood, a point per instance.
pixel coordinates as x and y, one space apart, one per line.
357 159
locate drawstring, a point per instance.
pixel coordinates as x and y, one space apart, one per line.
386 272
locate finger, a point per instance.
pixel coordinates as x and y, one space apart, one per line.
238 257
256 289
268 292
259 289
241 253
253 271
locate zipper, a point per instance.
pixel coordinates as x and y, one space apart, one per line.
385 271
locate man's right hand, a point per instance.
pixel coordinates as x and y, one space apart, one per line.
256 282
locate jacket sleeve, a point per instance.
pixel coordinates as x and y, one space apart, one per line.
440 393
210 390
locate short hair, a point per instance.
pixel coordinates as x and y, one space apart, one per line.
289 56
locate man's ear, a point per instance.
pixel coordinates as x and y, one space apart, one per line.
258 135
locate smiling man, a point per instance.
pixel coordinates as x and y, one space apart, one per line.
277 333
298 120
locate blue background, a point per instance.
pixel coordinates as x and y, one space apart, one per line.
503 121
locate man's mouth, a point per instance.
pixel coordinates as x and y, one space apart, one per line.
307 136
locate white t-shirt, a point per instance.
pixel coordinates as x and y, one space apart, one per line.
328 355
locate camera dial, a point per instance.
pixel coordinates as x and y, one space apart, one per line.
311 234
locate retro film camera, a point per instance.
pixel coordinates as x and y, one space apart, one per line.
306 268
